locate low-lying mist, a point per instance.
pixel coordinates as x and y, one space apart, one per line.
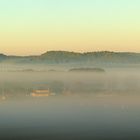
112 81
54 103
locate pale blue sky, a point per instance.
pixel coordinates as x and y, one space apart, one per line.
79 25
63 10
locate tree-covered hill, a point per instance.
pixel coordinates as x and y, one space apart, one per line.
63 57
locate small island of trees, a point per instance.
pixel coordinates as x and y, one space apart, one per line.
87 70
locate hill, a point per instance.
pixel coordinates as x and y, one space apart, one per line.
64 57
3 57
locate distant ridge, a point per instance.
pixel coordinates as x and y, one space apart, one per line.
93 52
71 52
3 57
65 57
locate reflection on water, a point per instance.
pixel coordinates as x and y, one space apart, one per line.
92 108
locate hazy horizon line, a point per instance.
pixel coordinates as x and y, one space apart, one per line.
70 52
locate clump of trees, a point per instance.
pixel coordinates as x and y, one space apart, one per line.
87 70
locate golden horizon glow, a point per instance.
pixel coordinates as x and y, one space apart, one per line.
33 27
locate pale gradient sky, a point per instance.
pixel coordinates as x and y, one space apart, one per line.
36 26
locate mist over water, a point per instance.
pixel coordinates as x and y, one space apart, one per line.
84 105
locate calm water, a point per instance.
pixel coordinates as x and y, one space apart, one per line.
108 113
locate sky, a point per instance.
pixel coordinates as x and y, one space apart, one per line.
31 27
